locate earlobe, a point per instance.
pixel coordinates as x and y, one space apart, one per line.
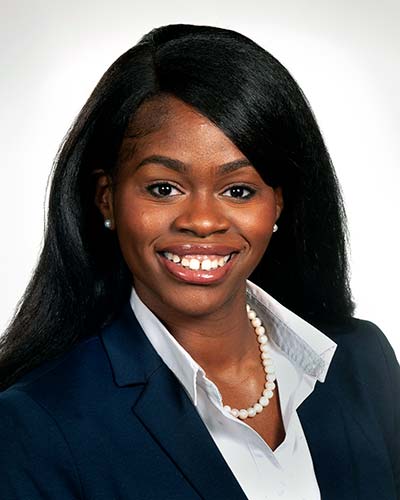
104 196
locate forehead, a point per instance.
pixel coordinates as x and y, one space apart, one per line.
168 124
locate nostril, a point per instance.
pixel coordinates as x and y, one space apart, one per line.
202 233
201 224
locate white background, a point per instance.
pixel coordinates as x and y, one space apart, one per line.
344 54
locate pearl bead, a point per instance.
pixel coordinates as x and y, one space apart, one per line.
267 393
251 314
264 355
262 339
267 362
227 408
260 330
256 322
243 414
271 377
258 408
235 412
263 401
270 386
264 347
251 411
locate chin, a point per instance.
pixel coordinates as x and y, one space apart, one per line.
189 300
198 304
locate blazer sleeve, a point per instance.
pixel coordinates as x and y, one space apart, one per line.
393 393
35 460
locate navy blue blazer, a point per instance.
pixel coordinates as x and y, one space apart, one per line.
109 421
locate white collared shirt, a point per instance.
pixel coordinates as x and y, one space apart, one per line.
301 354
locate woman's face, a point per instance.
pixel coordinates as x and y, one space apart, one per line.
193 217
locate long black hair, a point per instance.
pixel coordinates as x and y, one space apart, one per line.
81 280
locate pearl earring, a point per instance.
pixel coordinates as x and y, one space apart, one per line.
107 223
275 229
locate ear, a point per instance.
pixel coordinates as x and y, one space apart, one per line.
104 195
278 201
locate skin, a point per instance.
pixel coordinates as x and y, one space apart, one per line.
200 206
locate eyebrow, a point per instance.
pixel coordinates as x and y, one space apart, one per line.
181 167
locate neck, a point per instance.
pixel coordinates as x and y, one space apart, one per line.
222 342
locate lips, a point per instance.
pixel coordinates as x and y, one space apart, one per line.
198 264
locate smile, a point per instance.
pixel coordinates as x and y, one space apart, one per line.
198 265
203 262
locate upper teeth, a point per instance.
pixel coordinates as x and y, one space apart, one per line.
203 262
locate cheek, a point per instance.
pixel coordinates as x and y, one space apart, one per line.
138 223
256 226
261 234
137 228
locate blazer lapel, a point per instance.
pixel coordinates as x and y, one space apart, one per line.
344 438
323 425
168 414
166 411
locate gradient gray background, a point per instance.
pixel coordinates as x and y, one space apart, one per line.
344 55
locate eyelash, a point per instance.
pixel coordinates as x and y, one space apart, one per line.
251 191
151 189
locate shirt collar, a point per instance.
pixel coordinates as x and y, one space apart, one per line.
303 344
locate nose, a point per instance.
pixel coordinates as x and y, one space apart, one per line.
202 216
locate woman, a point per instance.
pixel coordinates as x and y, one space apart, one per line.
142 362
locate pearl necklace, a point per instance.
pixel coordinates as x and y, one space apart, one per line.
269 369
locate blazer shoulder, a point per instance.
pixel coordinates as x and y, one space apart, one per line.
357 333
362 346
75 375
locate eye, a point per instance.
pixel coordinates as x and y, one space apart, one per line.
240 192
163 190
